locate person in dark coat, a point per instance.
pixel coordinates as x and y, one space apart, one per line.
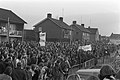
36 72
28 73
64 67
18 73
2 64
7 74
56 71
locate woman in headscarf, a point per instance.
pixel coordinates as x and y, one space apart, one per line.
107 73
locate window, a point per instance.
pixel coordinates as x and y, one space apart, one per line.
84 34
77 32
12 29
66 33
87 34
40 29
3 27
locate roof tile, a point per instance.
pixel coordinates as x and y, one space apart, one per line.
92 30
81 28
61 24
115 36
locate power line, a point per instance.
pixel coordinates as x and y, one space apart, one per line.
81 19
62 12
90 21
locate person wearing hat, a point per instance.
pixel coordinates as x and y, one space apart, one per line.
2 64
107 73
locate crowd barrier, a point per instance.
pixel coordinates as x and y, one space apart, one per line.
92 62
88 64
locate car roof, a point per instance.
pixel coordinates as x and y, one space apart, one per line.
86 73
88 70
73 77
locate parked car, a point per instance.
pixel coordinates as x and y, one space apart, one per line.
74 77
84 74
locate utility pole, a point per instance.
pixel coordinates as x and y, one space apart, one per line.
8 27
62 12
23 34
71 35
90 21
81 19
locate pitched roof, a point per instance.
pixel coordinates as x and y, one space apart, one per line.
5 14
81 28
115 36
92 30
61 24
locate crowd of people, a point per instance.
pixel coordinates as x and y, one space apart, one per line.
30 61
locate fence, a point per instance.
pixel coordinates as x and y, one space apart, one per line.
88 64
94 62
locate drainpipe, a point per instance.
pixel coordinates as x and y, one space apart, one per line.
23 34
8 27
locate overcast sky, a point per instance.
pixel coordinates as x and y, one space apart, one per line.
102 14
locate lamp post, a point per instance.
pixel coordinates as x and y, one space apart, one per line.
23 34
71 35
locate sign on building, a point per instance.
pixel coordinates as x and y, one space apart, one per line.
42 39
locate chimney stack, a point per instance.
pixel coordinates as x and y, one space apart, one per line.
61 19
49 15
74 22
82 25
88 26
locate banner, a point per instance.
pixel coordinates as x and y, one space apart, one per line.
42 38
85 48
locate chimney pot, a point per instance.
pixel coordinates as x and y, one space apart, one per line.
49 15
61 19
74 22
82 25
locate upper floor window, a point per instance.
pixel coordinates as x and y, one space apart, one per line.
88 35
3 27
77 32
83 34
40 29
12 27
66 33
